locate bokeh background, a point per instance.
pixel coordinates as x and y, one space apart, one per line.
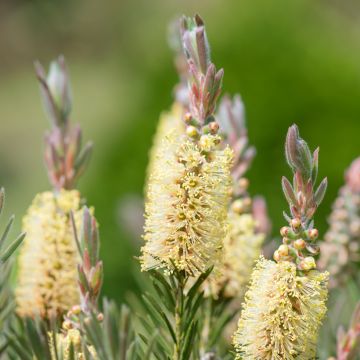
292 61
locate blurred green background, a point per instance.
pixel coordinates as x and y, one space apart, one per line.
292 61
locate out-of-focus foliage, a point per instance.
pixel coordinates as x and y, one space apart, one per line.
290 60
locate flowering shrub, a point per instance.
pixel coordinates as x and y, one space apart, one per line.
208 292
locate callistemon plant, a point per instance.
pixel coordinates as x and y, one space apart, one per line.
47 280
189 188
187 202
340 253
286 300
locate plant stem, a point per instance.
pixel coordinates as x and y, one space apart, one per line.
179 315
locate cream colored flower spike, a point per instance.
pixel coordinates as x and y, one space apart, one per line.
187 204
282 313
47 283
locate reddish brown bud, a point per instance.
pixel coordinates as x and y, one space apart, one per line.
284 231
214 127
187 117
286 241
299 244
313 234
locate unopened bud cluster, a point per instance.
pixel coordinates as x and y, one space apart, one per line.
204 81
298 245
299 238
195 131
65 159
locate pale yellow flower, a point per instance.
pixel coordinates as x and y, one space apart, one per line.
47 280
282 313
186 211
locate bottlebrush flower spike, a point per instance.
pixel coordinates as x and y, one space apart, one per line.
340 253
285 303
187 205
281 314
189 187
47 280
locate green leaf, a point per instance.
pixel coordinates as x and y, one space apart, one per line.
220 325
200 280
11 248
38 341
320 192
7 230
167 290
288 191
83 159
188 342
